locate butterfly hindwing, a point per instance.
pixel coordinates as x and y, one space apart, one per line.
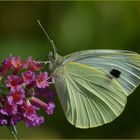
88 95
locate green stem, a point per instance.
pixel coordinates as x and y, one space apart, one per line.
13 130
15 136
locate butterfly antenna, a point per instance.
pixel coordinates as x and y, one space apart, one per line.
51 41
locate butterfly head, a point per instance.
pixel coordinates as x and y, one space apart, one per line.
55 60
51 57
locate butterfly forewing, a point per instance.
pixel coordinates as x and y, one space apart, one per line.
127 63
89 96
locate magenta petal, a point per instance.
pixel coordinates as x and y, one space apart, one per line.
36 122
20 102
10 100
16 61
3 122
13 82
9 109
4 112
30 117
49 108
6 66
16 97
41 80
28 77
13 110
33 65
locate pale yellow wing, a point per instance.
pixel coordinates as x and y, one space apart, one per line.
89 97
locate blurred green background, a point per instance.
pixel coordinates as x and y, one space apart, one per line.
74 26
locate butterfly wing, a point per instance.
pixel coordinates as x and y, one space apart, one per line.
89 97
125 62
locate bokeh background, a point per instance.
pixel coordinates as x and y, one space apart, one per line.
74 26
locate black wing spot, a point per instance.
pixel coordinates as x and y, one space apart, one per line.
115 73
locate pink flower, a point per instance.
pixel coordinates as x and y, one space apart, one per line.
16 97
3 121
8 109
21 90
28 77
6 66
13 82
33 65
16 61
41 80
34 120
49 107
13 62
30 116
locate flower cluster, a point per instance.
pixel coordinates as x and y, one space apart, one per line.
23 88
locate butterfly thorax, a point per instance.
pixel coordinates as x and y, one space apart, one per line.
55 61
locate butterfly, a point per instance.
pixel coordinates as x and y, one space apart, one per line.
93 85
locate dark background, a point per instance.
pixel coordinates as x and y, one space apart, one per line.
74 26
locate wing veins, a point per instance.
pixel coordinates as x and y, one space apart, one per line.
93 83
109 96
101 98
85 95
70 101
116 66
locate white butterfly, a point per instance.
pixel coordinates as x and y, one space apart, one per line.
93 85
